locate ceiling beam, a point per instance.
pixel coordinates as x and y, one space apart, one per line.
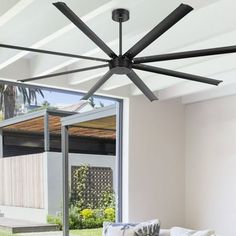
15 7
51 31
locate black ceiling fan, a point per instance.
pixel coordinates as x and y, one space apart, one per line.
127 62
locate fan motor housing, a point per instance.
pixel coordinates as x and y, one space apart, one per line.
120 65
120 15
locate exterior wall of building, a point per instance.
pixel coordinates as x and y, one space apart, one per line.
54 174
23 213
16 144
52 183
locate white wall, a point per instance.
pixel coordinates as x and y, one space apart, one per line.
29 214
211 165
54 174
154 179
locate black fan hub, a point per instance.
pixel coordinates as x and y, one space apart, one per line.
120 15
120 65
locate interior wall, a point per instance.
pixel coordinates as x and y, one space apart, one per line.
211 165
155 174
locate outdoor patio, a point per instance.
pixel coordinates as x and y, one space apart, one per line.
21 226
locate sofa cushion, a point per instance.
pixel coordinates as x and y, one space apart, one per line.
150 228
177 231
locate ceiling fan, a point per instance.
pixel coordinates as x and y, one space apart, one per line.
126 63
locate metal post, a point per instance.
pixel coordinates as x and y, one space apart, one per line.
65 180
119 127
1 143
46 133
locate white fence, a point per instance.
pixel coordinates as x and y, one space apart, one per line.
21 181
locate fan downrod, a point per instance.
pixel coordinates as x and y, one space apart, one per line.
120 15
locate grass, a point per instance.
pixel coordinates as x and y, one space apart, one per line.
82 232
87 232
5 233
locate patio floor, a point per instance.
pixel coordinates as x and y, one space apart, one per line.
21 226
42 234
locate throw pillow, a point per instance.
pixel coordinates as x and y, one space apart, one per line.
118 229
149 228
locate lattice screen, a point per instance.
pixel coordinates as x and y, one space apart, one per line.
99 179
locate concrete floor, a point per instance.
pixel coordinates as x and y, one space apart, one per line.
22 226
42 234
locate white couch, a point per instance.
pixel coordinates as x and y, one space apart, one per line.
164 232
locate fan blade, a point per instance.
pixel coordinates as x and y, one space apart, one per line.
61 6
142 86
63 73
97 85
177 74
187 54
52 52
158 30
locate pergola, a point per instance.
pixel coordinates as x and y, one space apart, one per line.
47 122
104 123
98 119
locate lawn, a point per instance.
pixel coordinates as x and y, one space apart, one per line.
83 232
5 233
87 232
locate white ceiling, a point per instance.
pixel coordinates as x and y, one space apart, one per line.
38 24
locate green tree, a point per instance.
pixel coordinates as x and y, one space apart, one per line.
8 95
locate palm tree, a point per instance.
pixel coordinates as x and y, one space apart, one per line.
8 95
92 102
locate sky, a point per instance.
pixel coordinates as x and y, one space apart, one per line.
64 99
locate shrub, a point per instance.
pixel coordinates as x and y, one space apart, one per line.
92 218
92 223
75 221
82 214
55 220
109 214
85 219
87 213
99 213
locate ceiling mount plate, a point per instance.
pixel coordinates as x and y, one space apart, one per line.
120 15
